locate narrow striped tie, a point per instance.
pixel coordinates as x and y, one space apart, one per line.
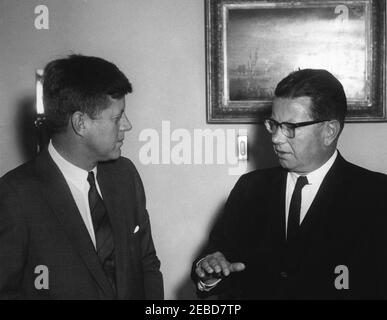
103 231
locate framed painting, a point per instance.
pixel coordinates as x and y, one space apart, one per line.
252 45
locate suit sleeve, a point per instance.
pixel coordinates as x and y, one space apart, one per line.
372 258
224 238
13 243
153 280
380 235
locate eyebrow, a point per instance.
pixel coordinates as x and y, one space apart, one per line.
118 115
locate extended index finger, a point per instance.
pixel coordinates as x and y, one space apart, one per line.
225 267
237 267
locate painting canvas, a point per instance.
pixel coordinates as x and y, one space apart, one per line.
255 44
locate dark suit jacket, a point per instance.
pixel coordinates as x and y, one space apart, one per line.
345 225
40 225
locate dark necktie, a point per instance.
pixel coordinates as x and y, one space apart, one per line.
295 207
102 230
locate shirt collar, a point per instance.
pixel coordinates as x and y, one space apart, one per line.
76 175
318 175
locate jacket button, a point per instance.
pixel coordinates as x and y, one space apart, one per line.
284 274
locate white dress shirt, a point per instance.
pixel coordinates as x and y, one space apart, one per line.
310 190
76 179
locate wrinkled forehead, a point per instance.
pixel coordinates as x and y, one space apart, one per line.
291 109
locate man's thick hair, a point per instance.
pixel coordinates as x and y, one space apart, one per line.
80 83
326 92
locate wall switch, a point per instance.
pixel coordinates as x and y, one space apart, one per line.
242 147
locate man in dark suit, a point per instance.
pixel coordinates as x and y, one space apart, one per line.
73 222
314 228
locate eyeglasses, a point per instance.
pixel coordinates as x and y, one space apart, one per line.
288 128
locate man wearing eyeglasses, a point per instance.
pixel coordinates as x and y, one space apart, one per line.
313 228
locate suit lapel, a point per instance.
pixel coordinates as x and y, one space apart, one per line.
323 204
59 197
277 207
119 204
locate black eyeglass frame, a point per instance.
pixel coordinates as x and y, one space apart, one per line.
290 125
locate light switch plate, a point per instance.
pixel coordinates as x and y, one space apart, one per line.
242 147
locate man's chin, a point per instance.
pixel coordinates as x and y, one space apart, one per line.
284 164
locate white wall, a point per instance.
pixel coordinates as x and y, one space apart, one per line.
159 45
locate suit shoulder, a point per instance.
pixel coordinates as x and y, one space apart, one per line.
260 175
258 179
21 174
362 174
369 184
126 163
122 164
124 168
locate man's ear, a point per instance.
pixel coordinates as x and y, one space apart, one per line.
78 123
332 132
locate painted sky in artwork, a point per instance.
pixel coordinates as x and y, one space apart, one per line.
282 40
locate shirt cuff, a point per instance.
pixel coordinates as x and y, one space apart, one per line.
204 286
207 287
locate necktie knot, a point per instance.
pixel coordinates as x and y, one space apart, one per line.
301 182
91 179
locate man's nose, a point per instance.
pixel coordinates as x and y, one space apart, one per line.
277 137
125 123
